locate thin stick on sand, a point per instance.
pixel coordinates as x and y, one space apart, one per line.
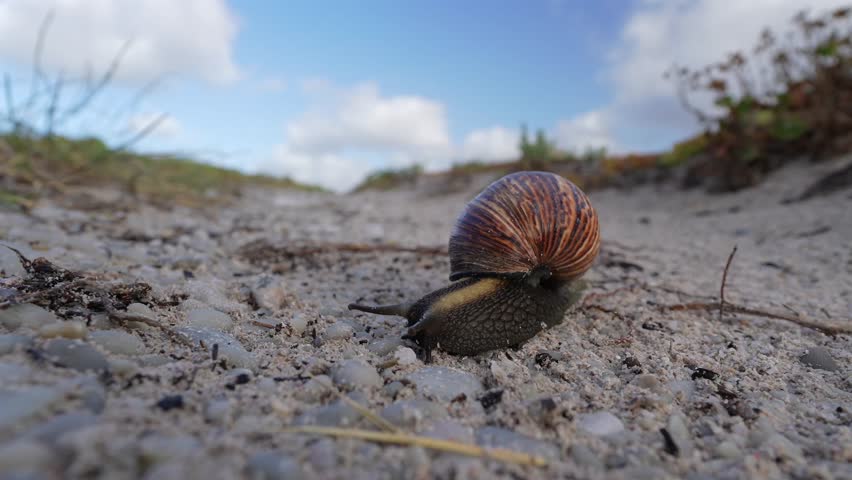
500 454
724 281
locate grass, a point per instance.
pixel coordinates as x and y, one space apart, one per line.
31 166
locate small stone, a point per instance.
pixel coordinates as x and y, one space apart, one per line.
584 456
10 264
600 424
218 411
384 346
448 429
25 457
393 388
497 437
12 373
10 342
298 323
26 315
170 402
680 435
685 388
118 341
445 384
274 465
728 449
338 331
314 389
142 310
229 348
647 381
355 373
156 448
818 357
269 293
66 329
332 415
52 430
76 355
405 356
92 394
209 319
413 412
19 405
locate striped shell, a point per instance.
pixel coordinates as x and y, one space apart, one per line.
522 222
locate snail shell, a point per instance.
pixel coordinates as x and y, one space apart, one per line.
515 253
525 222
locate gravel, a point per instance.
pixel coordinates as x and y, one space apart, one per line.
253 343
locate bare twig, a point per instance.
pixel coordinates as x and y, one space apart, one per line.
141 134
37 54
827 329
724 281
124 317
500 454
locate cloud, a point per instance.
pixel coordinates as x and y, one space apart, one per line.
271 84
693 33
493 144
169 127
585 131
188 37
347 131
361 118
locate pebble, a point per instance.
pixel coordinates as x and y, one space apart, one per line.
67 329
502 438
157 448
230 349
728 449
338 331
207 318
384 346
10 342
118 341
583 455
10 264
404 356
448 429
24 457
273 466
600 424
12 373
269 293
354 373
335 414
647 381
818 357
19 405
75 354
680 434
685 388
298 323
142 310
411 413
52 430
445 384
26 315
218 411
314 389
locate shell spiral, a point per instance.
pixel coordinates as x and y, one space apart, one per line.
523 222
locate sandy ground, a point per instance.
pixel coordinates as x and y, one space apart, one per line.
623 388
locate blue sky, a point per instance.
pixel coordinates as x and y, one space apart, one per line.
328 91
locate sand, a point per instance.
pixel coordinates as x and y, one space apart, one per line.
623 388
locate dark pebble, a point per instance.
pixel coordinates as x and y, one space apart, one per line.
491 398
705 374
170 402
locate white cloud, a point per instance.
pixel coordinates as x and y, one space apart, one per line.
493 144
692 33
186 37
585 131
330 143
168 127
362 118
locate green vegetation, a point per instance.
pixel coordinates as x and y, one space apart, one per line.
390 178
31 166
789 99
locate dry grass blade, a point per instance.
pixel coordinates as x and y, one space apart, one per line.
724 281
500 454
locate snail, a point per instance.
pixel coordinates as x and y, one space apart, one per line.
516 252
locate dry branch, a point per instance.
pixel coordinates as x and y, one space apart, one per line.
724 281
824 328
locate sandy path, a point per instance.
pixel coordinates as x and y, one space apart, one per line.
590 396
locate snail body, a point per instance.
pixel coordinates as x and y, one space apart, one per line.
516 254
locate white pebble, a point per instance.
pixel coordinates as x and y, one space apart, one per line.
600 423
117 341
210 319
405 356
26 315
356 374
